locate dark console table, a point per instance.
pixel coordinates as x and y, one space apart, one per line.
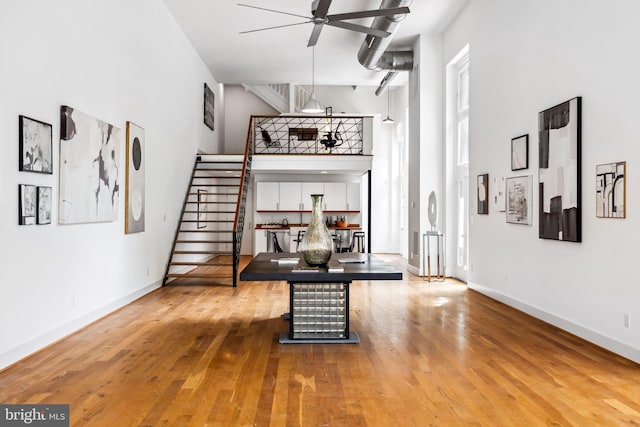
318 300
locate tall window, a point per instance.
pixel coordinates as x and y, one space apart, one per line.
458 160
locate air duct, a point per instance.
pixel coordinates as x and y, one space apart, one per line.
372 53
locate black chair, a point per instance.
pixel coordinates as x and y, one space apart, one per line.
298 239
357 240
276 245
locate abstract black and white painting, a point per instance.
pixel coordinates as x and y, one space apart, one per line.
35 145
202 209
519 210
483 194
209 104
89 168
26 204
610 190
520 153
44 205
560 210
135 194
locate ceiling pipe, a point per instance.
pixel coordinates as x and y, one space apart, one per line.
385 81
372 53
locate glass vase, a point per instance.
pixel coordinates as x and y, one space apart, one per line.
317 243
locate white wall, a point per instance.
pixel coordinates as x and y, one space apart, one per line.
240 105
524 58
426 147
116 60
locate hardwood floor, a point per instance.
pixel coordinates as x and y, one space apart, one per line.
431 354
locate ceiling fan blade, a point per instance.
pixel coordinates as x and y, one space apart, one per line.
368 13
322 9
314 35
359 28
272 10
271 28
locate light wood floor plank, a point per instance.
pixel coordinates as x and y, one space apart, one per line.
431 354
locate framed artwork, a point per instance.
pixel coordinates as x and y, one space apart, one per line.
202 209
520 153
519 210
89 169
498 188
26 204
611 193
44 205
35 145
560 210
135 185
209 104
483 194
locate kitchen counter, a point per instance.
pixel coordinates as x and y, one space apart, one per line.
280 227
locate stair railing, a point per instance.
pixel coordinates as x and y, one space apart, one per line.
238 223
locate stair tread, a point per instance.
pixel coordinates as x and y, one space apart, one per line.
201 263
202 253
204 241
198 276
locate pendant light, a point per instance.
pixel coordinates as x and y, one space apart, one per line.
388 120
312 106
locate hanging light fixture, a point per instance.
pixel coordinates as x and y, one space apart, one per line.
388 120
312 106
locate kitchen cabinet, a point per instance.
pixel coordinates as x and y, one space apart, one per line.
268 196
353 196
335 196
260 242
309 188
290 196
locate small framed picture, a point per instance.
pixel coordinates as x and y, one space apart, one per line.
26 204
35 146
44 205
520 153
209 107
519 203
483 194
610 190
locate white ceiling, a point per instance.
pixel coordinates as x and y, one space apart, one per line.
281 55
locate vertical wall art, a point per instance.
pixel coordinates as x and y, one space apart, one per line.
89 168
209 104
611 190
483 194
44 205
35 145
560 208
519 209
26 204
135 194
520 153
202 209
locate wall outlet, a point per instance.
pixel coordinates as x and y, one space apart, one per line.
147 270
627 321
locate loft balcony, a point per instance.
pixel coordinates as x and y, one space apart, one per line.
311 144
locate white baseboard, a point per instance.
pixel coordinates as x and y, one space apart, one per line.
603 341
25 349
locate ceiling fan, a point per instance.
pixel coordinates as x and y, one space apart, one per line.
319 17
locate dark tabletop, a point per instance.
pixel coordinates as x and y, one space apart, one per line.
262 268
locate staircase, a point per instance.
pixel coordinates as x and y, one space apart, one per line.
283 97
206 244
